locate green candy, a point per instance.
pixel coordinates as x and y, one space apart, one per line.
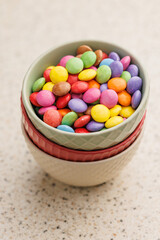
74 65
38 84
126 75
103 129
96 102
103 74
69 118
89 59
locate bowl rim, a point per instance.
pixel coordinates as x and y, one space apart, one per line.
33 114
73 151
82 163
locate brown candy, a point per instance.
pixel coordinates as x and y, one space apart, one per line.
83 48
88 111
79 55
99 55
61 88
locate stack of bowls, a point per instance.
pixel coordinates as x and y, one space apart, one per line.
80 159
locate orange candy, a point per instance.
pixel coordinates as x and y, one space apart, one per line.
93 84
117 84
124 98
64 111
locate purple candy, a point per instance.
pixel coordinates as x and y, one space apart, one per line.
134 84
116 68
114 56
77 105
133 70
94 126
103 87
136 99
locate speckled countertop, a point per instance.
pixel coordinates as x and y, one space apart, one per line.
32 204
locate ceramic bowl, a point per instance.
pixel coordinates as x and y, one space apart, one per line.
91 141
71 154
80 173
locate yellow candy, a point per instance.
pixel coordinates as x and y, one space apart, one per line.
100 113
115 110
113 121
48 86
50 67
87 75
58 74
126 111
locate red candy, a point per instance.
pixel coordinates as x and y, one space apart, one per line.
46 75
52 117
33 99
79 87
81 130
82 121
72 78
63 101
104 55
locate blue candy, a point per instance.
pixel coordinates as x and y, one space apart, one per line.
65 128
106 61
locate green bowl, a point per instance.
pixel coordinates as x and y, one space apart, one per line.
91 141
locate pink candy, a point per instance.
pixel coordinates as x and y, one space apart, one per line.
45 98
93 67
42 110
64 60
109 98
125 62
91 95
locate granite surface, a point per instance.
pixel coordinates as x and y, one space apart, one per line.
32 204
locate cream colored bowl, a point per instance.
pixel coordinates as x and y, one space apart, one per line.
80 173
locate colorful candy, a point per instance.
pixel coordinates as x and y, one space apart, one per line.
38 84
134 84
58 74
116 69
74 65
87 75
87 92
136 99
100 113
88 58
94 126
114 56
52 117
103 74
109 98
79 87
61 88
77 105
91 95
45 98
117 84
113 121
65 128
82 121
124 98
69 118
48 86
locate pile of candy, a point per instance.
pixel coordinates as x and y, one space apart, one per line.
87 93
